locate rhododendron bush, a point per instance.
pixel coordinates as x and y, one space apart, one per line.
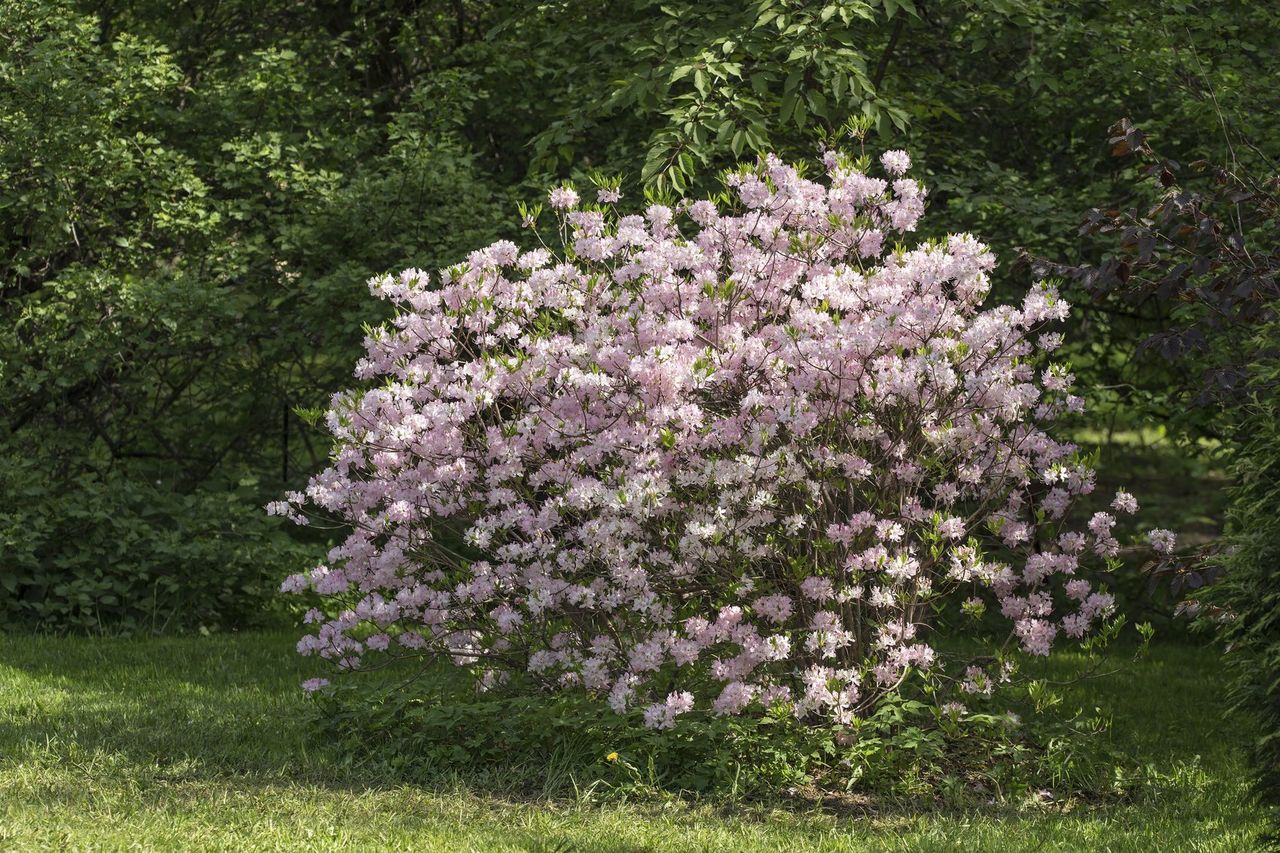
720 457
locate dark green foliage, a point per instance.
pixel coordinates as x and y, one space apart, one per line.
192 195
119 554
1248 601
532 741
554 745
187 228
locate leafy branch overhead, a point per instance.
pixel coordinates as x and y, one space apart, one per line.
717 81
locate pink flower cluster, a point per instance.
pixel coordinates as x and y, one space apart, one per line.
717 456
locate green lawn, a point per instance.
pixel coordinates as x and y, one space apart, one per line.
195 743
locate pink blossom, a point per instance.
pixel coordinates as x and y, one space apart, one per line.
703 212
663 715
952 528
817 588
1078 589
1125 502
895 162
563 198
1101 523
733 698
1163 541
775 608
1036 635
294 583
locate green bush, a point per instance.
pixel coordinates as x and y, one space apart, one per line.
1249 596
188 221
112 552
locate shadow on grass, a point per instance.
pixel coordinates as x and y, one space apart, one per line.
224 702
195 711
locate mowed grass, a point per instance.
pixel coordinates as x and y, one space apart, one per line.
200 744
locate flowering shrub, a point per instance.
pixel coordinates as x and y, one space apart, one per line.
723 456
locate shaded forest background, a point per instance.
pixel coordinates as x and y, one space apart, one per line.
193 194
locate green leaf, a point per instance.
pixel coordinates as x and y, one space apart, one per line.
787 107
